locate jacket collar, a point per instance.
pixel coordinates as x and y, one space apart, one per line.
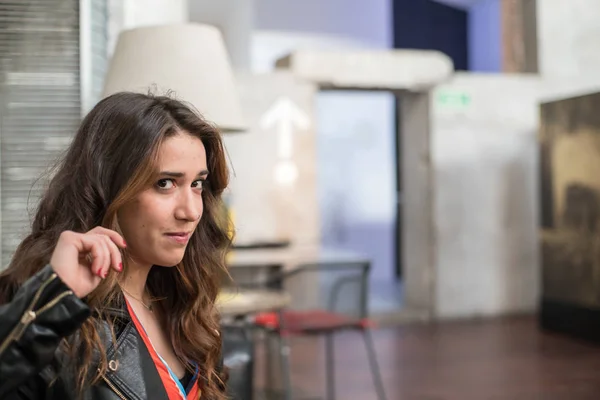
131 370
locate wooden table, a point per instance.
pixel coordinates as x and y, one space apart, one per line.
233 302
304 293
290 257
256 266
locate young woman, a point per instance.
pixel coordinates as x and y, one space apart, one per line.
112 294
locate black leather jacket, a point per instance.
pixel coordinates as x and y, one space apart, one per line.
42 313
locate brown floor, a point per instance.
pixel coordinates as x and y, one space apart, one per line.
480 360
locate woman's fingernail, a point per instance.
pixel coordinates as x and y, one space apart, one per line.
124 243
120 267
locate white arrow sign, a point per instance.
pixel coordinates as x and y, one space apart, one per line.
284 115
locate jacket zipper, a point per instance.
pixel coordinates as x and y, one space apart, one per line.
114 388
30 315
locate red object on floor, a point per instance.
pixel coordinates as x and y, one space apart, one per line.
311 321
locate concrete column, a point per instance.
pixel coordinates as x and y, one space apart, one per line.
569 34
503 36
519 36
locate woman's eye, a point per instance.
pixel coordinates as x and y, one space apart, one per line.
165 184
199 184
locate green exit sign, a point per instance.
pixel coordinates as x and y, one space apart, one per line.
454 99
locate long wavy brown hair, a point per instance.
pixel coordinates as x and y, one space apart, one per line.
112 159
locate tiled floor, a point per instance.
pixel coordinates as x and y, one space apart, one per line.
504 359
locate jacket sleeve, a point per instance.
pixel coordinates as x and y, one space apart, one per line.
41 313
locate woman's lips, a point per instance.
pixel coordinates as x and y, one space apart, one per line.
179 237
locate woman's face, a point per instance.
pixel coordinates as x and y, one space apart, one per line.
158 224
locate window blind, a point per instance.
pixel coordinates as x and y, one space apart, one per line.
40 98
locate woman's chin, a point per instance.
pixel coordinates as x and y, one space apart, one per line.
170 261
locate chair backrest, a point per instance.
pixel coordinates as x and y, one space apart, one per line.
341 287
252 276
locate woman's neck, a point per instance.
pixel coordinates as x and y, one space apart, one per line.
134 280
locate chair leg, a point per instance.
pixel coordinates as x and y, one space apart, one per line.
330 366
374 365
284 353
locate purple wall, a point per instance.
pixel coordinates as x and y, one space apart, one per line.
485 36
369 21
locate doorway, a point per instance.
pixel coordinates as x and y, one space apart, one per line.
358 178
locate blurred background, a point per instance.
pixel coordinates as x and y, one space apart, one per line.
415 191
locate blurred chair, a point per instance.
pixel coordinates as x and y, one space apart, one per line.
344 285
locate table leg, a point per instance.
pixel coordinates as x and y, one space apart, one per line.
274 366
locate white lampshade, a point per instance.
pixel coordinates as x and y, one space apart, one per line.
188 60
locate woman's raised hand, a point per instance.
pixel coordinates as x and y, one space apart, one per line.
82 260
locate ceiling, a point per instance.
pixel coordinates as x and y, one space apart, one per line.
463 4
